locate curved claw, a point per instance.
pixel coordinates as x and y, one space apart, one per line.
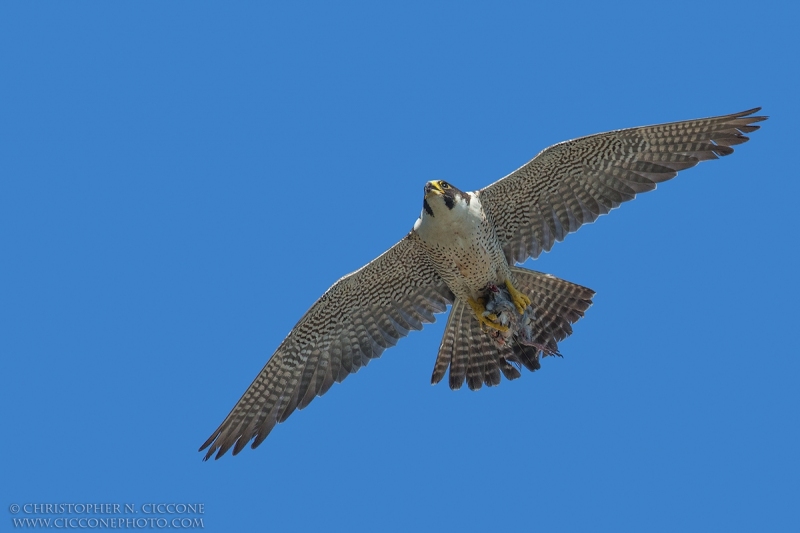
487 319
521 302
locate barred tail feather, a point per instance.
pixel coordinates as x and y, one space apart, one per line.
472 355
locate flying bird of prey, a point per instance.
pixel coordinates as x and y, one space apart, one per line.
462 251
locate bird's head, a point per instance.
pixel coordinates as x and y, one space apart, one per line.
440 196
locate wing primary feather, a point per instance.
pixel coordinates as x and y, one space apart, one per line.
360 316
535 205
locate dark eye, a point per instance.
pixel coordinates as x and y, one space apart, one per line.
444 184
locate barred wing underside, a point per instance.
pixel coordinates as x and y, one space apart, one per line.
360 316
572 183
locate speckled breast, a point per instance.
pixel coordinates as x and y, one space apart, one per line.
464 249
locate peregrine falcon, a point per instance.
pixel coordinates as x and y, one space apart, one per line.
462 252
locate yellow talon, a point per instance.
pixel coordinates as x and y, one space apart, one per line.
521 302
487 319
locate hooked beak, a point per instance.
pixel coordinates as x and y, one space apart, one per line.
433 187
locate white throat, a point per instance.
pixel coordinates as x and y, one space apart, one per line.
448 224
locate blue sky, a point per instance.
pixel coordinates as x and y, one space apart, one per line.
181 181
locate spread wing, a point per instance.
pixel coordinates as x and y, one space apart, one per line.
572 183
360 316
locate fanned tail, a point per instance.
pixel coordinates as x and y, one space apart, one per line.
472 355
